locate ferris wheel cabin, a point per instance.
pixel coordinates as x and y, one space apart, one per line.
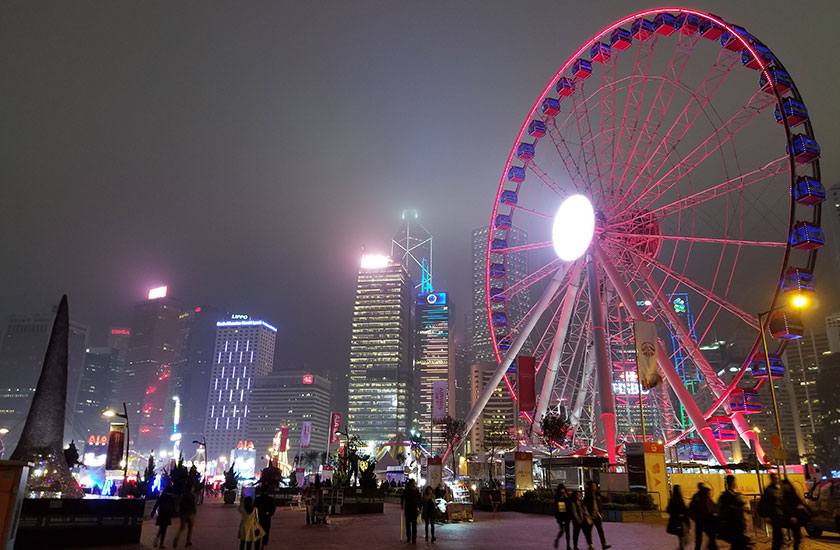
722 428
744 401
621 39
758 365
642 29
808 191
666 24
794 111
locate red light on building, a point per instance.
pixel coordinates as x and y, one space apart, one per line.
122 331
308 379
197 310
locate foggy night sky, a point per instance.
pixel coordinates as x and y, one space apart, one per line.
243 153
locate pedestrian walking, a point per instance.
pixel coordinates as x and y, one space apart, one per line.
702 511
581 520
186 517
592 501
562 514
795 512
678 523
770 507
165 509
265 509
410 505
250 531
429 511
732 524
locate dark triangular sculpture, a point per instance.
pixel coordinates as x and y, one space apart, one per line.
43 434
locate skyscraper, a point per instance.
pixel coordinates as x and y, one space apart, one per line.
433 361
289 398
412 248
21 358
516 269
146 381
244 350
497 418
381 342
803 358
97 390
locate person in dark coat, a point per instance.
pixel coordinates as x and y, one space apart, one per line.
702 511
732 525
410 505
265 509
165 509
592 501
186 515
770 507
678 523
581 519
793 509
429 511
562 515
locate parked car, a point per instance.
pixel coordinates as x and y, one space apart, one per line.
824 501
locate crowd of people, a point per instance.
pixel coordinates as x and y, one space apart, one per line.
727 519
582 512
423 506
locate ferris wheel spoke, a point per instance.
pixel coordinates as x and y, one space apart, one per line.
644 259
663 361
632 108
544 177
739 183
606 137
532 211
589 158
758 102
696 104
565 154
530 280
661 103
735 242
524 247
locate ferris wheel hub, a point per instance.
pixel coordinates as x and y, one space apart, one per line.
574 225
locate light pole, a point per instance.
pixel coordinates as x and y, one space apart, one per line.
110 413
203 444
798 301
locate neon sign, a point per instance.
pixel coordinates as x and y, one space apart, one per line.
159 292
245 445
308 379
97 440
239 316
121 331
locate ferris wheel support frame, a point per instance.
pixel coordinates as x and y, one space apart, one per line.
662 359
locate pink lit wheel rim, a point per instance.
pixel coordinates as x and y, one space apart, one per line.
693 145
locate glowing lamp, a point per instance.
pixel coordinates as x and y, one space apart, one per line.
109 413
159 292
799 300
4 431
574 225
375 261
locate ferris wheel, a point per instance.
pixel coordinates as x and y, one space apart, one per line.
668 172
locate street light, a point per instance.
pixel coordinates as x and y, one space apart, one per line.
111 413
798 301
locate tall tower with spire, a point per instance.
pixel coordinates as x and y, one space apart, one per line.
412 248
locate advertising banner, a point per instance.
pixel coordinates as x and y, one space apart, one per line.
116 447
525 380
305 434
440 389
284 438
335 427
646 344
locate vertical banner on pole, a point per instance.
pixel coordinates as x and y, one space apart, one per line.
440 389
116 447
525 379
305 434
646 343
335 427
284 438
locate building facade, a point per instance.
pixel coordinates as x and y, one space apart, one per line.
381 342
497 421
412 248
98 389
244 350
433 362
289 398
147 376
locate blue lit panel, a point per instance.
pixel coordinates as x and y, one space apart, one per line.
432 298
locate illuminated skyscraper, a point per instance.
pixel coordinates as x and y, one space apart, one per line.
97 390
516 269
497 418
244 350
412 247
433 355
381 342
146 381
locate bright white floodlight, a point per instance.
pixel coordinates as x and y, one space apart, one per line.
573 228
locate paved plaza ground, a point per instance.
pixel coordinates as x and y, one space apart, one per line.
217 524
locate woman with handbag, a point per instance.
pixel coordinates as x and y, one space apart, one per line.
250 530
562 515
581 519
678 517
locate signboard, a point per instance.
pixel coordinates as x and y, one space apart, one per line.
646 349
116 446
432 298
440 389
308 379
525 379
305 434
335 427
98 440
284 438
